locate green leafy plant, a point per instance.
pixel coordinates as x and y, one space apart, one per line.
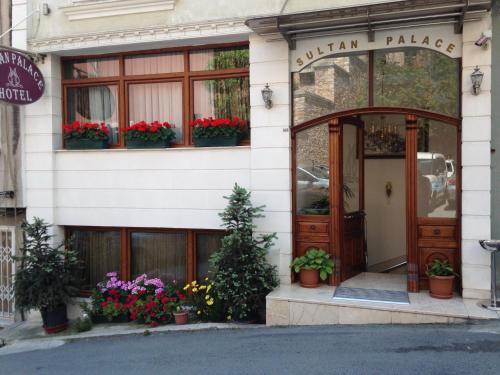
48 276
82 324
242 275
440 268
204 301
314 259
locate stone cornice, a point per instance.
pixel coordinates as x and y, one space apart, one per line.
139 35
89 9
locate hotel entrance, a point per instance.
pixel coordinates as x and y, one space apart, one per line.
377 189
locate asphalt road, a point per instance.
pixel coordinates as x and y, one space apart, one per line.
463 349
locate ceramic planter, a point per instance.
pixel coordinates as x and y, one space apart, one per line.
309 278
55 320
85 144
219 141
181 317
139 143
441 286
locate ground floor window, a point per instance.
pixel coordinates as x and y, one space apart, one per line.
170 254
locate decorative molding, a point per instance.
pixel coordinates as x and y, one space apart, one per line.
86 9
139 35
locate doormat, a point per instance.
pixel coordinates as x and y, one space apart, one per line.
371 295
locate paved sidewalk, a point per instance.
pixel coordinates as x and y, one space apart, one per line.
30 335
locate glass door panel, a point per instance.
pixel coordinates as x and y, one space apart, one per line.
312 172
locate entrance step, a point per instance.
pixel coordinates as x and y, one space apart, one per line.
388 265
293 305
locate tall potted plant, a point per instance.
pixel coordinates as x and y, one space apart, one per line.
315 264
153 135
242 275
441 277
209 132
86 136
47 276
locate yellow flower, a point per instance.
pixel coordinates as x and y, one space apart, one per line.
207 296
206 278
198 312
193 283
203 287
210 302
209 287
195 290
229 317
187 287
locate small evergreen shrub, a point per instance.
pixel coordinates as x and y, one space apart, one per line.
242 275
47 276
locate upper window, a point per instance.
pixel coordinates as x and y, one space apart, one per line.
411 77
174 86
329 85
417 78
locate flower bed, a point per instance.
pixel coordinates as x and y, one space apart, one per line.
145 300
153 135
209 132
78 136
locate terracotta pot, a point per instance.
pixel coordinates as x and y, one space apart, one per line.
181 317
309 278
441 286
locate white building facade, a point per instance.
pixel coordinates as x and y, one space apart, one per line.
116 199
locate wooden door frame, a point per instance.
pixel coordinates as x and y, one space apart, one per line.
336 196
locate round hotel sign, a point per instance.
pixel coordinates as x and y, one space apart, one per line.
20 80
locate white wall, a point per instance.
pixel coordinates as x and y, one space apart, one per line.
173 188
270 156
476 162
386 238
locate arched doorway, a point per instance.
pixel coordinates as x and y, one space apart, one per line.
419 149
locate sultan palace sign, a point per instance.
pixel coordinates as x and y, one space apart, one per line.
21 82
438 38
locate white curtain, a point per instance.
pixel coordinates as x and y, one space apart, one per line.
154 64
157 102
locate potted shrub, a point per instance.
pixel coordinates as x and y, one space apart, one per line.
86 136
209 132
46 277
154 135
315 264
242 275
441 277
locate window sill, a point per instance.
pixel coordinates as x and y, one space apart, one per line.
172 149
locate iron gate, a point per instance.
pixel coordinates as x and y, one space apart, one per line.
7 269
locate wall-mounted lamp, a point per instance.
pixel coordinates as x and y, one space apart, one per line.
476 78
45 9
267 94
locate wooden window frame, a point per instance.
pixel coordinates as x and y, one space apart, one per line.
123 81
125 272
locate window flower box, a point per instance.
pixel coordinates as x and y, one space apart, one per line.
86 136
85 144
221 132
217 141
153 135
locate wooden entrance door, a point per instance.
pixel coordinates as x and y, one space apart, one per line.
353 251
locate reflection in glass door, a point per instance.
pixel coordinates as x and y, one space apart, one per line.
353 250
